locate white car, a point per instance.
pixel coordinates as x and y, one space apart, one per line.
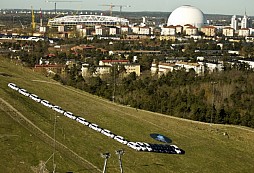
144 146
121 139
23 92
58 109
107 133
82 121
70 115
134 146
46 103
13 86
35 98
177 150
95 127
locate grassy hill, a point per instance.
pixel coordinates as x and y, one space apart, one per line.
207 148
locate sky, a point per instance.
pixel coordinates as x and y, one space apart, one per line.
229 7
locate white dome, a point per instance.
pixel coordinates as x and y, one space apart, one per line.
187 15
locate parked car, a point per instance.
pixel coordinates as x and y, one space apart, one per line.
82 121
46 103
58 109
177 150
35 98
70 115
121 139
107 133
23 92
95 127
144 146
134 146
13 86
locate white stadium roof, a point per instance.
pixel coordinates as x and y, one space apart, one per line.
187 14
89 20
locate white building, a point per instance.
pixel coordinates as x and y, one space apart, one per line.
228 32
212 67
234 22
168 30
114 31
246 22
251 63
191 30
244 32
198 68
135 29
145 31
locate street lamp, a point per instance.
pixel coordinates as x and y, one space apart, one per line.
120 153
106 156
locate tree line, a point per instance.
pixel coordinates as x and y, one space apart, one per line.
225 97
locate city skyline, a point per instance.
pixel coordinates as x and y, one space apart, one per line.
226 7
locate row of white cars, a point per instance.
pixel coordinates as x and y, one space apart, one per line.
138 146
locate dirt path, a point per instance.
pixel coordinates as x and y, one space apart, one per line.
26 123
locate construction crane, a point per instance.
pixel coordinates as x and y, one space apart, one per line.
33 22
60 2
112 5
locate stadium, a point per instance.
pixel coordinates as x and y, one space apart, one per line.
88 20
187 14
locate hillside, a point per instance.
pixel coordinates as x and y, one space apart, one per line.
23 147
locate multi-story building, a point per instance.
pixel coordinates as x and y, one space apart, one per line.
198 68
135 29
114 31
105 67
168 30
234 22
246 22
209 31
162 68
191 30
228 31
145 30
244 32
179 29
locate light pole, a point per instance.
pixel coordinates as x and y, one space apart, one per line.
53 156
120 153
106 156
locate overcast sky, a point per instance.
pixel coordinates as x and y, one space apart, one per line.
230 7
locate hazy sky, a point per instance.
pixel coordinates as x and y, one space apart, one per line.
229 7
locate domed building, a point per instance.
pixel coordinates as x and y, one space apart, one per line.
187 14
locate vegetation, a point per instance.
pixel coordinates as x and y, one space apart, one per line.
221 97
207 148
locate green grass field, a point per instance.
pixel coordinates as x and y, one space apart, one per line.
207 149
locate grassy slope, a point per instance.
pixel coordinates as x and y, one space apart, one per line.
207 149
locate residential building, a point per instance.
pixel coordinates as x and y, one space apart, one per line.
228 32
114 31
191 30
162 68
135 29
168 30
125 29
179 29
198 68
244 32
105 67
209 31
145 31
